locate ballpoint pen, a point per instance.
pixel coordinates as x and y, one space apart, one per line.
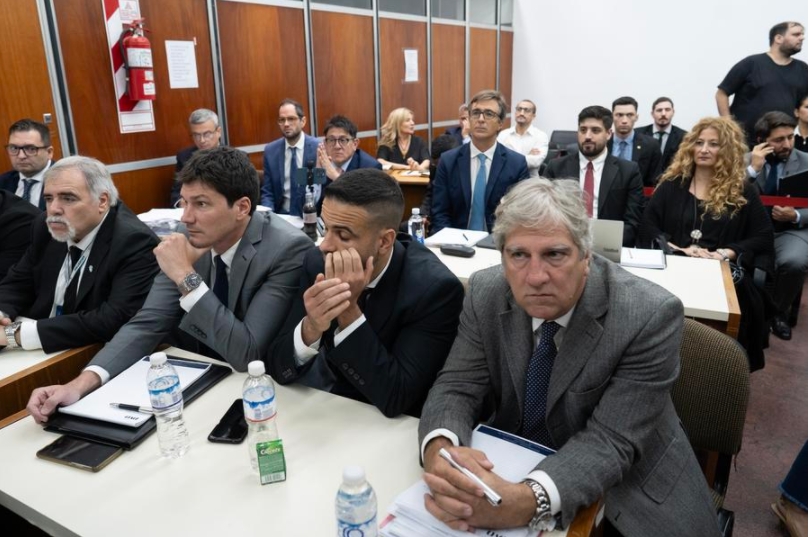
134 408
491 495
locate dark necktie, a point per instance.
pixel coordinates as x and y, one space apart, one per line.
28 184
69 302
536 386
477 216
589 188
771 186
220 284
659 135
293 186
622 150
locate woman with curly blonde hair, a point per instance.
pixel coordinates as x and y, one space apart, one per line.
398 148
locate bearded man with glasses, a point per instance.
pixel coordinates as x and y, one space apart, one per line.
30 151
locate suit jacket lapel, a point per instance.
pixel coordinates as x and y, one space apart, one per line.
608 175
465 165
572 168
98 252
498 162
516 332
378 308
791 165
245 253
52 260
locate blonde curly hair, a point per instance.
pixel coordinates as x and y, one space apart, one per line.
726 193
390 130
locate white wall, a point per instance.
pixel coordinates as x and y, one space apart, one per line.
566 52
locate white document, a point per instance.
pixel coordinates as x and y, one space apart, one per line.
156 215
634 257
182 63
451 235
411 57
130 388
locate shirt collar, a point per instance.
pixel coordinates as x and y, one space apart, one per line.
298 144
373 283
39 175
474 151
598 161
90 237
629 139
563 321
228 255
667 130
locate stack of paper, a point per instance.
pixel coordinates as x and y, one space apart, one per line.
513 459
451 235
652 259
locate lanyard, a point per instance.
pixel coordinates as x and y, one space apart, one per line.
69 272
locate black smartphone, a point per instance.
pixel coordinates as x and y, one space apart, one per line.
231 429
83 454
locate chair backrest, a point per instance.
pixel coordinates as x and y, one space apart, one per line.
562 139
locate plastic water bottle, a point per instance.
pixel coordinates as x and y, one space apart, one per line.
416 225
310 216
166 396
355 505
258 396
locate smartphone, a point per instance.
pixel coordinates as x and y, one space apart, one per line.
83 454
231 429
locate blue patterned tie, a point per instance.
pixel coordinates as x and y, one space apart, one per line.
26 189
220 285
477 216
536 386
622 150
771 186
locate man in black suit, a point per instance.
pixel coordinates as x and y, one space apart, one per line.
30 151
88 269
667 135
614 186
376 314
206 133
629 145
461 131
16 217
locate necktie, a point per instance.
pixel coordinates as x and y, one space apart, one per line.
26 192
622 150
536 386
589 188
293 172
477 216
69 302
771 186
220 285
660 135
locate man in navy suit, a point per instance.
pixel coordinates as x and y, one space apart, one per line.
631 145
667 135
30 151
283 157
471 179
339 152
206 133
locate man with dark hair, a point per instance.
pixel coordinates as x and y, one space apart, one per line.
339 152
524 138
667 135
765 82
30 151
627 144
88 269
224 289
376 313
773 158
206 133
284 157
16 219
613 186
472 178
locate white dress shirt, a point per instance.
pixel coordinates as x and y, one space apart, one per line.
36 188
524 143
598 169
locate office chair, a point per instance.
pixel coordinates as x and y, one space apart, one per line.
710 397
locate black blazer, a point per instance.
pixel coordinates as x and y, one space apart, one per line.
16 217
10 180
114 283
675 138
646 153
620 193
392 359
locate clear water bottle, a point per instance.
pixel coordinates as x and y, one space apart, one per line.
416 225
355 505
258 396
166 396
310 216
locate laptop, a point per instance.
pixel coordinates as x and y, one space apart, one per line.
608 238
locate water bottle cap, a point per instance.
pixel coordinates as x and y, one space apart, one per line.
415 210
256 368
353 475
158 358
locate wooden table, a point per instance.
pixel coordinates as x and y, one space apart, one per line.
413 189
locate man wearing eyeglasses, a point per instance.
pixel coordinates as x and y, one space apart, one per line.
340 152
526 139
30 151
205 132
284 157
472 178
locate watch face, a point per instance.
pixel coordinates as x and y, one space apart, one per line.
192 281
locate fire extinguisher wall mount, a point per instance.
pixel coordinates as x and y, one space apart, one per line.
137 54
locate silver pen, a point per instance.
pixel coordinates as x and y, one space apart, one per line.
133 408
491 495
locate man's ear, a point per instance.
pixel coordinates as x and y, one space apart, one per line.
243 206
386 239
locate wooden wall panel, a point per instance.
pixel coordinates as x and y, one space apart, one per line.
448 44
83 38
24 66
394 37
506 53
369 145
264 62
344 68
482 52
143 190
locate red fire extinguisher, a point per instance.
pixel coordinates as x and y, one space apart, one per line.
137 54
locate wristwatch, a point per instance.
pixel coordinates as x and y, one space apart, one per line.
191 281
543 518
11 332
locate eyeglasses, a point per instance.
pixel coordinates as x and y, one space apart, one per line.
488 114
525 109
203 136
331 142
282 120
29 150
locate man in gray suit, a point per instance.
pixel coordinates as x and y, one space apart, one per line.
604 405
224 289
773 158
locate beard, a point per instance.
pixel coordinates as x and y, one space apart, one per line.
594 152
64 236
790 50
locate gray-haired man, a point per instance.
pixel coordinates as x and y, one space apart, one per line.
203 124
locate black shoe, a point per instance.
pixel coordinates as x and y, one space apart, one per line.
781 328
